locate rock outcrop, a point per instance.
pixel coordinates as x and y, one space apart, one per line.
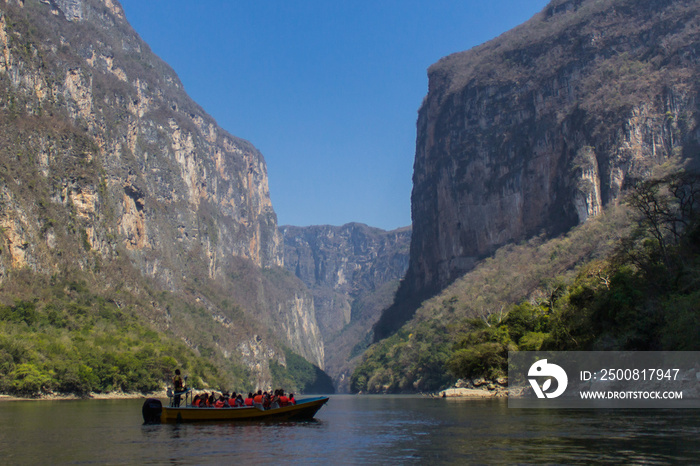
353 272
105 157
538 129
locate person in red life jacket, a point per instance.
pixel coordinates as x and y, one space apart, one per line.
284 400
195 401
258 399
249 401
219 403
266 400
292 401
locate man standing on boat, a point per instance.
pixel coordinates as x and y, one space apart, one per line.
178 387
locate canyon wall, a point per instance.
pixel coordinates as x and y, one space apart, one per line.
106 158
539 129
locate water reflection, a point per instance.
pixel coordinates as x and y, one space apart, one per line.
351 430
567 436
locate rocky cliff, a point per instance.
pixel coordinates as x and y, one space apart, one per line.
353 272
104 158
535 131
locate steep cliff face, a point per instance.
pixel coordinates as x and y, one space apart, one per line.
105 156
353 272
539 128
165 160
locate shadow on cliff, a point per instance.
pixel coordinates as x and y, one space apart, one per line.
406 303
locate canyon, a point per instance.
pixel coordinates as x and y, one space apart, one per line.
353 272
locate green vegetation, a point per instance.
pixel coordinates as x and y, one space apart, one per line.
300 375
641 294
646 295
80 342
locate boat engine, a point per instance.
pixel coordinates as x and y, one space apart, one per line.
152 409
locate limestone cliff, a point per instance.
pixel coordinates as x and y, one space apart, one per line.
353 272
539 128
105 157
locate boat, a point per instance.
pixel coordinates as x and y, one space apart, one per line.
305 409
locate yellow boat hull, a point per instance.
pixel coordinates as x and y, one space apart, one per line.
305 409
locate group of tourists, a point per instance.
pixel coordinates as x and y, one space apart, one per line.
261 399
266 400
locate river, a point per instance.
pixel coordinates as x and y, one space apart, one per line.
351 430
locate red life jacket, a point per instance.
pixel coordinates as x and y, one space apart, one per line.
196 402
292 401
248 402
284 401
258 399
219 404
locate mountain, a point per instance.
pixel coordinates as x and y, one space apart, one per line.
113 176
538 130
353 272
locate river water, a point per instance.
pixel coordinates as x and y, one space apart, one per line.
351 430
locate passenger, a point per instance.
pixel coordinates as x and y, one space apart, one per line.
178 387
195 401
292 401
266 400
249 401
239 401
258 399
212 400
284 400
275 400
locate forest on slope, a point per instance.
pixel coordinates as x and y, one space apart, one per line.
626 280
72 334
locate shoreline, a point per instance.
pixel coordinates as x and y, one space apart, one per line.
477 388
471 393
89 396
453 392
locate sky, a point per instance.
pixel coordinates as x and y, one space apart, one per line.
327 90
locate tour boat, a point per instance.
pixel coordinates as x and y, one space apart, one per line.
305 409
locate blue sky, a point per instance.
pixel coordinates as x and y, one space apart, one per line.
327 90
